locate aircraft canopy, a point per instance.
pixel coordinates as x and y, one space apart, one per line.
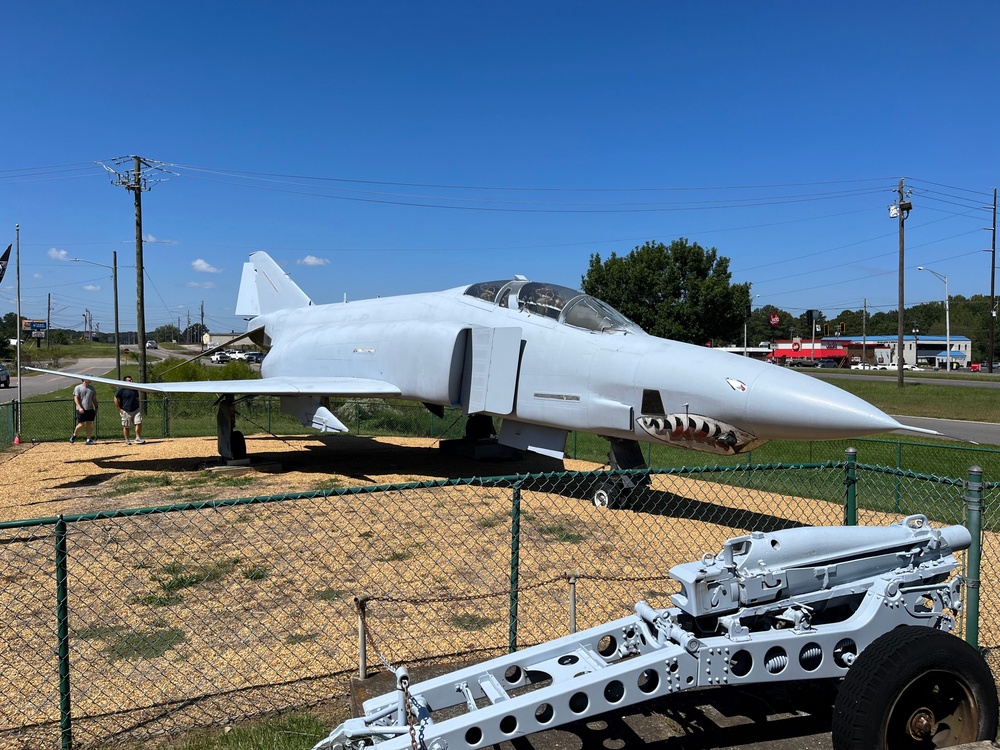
569 306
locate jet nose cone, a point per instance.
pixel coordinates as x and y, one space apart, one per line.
787 405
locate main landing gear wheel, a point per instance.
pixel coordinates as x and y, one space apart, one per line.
604 495
915 687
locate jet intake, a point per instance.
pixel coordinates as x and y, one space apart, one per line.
699 433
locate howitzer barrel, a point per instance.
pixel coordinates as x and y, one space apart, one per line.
763 567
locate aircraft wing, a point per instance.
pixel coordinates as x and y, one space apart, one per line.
278 386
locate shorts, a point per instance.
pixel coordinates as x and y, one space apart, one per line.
87 415
130 418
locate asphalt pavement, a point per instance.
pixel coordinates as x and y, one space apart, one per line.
38 384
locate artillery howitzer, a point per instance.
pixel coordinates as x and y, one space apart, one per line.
871 605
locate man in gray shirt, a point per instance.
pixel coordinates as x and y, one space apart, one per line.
85 401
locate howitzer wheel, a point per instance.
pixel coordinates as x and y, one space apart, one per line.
915 687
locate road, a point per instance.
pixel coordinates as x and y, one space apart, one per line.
983 433
38 384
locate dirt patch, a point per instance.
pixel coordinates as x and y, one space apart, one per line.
48 479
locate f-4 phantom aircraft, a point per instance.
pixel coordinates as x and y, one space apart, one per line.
543 358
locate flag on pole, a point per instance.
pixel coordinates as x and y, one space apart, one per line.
4 259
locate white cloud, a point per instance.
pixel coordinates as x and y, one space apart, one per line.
201 284
151 239
203 266
58 254
312 260
92 287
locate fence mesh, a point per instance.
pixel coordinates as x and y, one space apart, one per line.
188 616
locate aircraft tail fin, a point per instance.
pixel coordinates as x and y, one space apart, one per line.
265 287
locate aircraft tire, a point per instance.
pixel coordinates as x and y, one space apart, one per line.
605 495
915 687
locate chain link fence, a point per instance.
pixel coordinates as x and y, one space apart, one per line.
141 622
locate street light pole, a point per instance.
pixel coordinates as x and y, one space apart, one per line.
114 282
947 315
745 321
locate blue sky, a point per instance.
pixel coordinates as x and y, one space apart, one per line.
395 147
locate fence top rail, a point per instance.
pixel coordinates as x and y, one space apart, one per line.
907 474
937 445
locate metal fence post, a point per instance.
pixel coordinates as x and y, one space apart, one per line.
851 480
165 415
899 480
359 603
515 563
62 634
973 509
572 579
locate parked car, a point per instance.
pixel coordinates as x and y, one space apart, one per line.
256 357
219 358
827 363
4 377
863 366
237 355
152 344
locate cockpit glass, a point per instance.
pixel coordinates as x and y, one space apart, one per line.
593 315
569 306
486 290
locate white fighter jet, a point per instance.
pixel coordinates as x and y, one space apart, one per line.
543 358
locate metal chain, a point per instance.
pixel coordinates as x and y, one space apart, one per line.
405 683
466 598
371 640
409 714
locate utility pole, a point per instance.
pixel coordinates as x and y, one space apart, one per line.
993 287
900 209
136 183
864 332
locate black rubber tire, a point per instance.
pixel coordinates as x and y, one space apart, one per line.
605 495
915 687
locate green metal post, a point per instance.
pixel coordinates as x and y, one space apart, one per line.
62 635
515 564
165 416
851 480
899 479
974 520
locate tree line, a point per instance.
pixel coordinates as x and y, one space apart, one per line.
684 291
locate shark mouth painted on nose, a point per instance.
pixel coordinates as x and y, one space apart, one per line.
699 432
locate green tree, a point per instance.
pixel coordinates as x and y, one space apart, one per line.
166 333
681 291
193 333
759 326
